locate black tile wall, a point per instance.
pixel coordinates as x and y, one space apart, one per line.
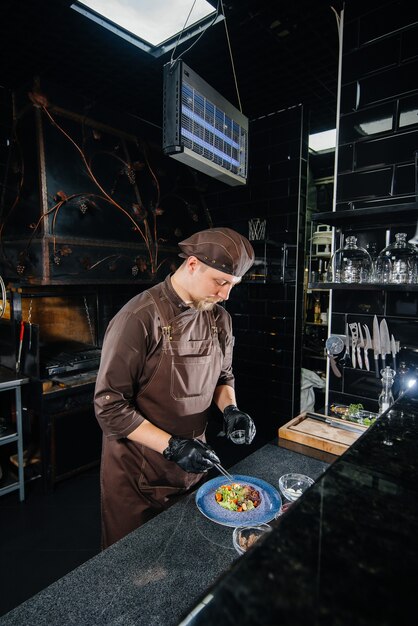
409 44
376 167
391 83
408 111
404 180
398 148
358 302
367 184
267 317
380 55
367 122
385 18
346 158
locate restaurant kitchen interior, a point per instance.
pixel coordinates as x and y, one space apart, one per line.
84 173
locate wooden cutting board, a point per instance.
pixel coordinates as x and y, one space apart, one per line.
318 434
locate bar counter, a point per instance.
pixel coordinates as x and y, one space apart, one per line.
156 573
344 553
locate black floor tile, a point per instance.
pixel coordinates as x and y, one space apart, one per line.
50 534
47 536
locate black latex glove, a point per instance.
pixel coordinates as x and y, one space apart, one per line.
237 420
192 456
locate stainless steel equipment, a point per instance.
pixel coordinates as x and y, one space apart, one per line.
360 345
368 346
393 350
384 341
334 345
376 344
354 341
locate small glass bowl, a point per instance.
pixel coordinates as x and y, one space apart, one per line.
367 418
293 485
244 537
237 436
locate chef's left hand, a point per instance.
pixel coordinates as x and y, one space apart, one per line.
237 420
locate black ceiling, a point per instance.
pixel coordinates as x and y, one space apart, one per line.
285 53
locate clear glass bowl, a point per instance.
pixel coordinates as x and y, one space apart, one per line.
397 263
350 264
359 416
293 485
244 537
367 418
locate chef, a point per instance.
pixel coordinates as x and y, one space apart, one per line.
166 356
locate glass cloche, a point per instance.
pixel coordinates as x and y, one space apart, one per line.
397 263
350 264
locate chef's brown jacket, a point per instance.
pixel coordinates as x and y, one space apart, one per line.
161 361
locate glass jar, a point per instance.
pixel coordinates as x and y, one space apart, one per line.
397 263
350 264
386 398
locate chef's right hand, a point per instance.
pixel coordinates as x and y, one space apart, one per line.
191 456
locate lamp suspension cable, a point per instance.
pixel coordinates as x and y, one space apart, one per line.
230 54
173 60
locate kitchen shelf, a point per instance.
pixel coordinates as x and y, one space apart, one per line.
321 288
362 286
376 216
9 381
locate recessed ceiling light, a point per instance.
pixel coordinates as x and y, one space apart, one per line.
321 142
153 22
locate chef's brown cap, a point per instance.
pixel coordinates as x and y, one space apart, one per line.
221 248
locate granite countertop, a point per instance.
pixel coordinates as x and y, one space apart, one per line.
155 575
345 553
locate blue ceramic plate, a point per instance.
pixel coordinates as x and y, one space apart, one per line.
270 502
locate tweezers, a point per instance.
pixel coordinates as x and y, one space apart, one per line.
218 466
223 471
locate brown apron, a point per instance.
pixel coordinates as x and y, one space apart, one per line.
137 482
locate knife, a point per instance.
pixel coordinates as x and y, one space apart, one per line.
347 345
354 337
376 344
393 348
360 345
19 355
384 341
330 422
367 346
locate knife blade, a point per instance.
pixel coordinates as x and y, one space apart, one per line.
347 345
331 422
360 345
393 349
376 344
384 341
354 338
368 346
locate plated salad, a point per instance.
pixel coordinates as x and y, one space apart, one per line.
237 497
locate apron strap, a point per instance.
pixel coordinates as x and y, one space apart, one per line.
165 327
